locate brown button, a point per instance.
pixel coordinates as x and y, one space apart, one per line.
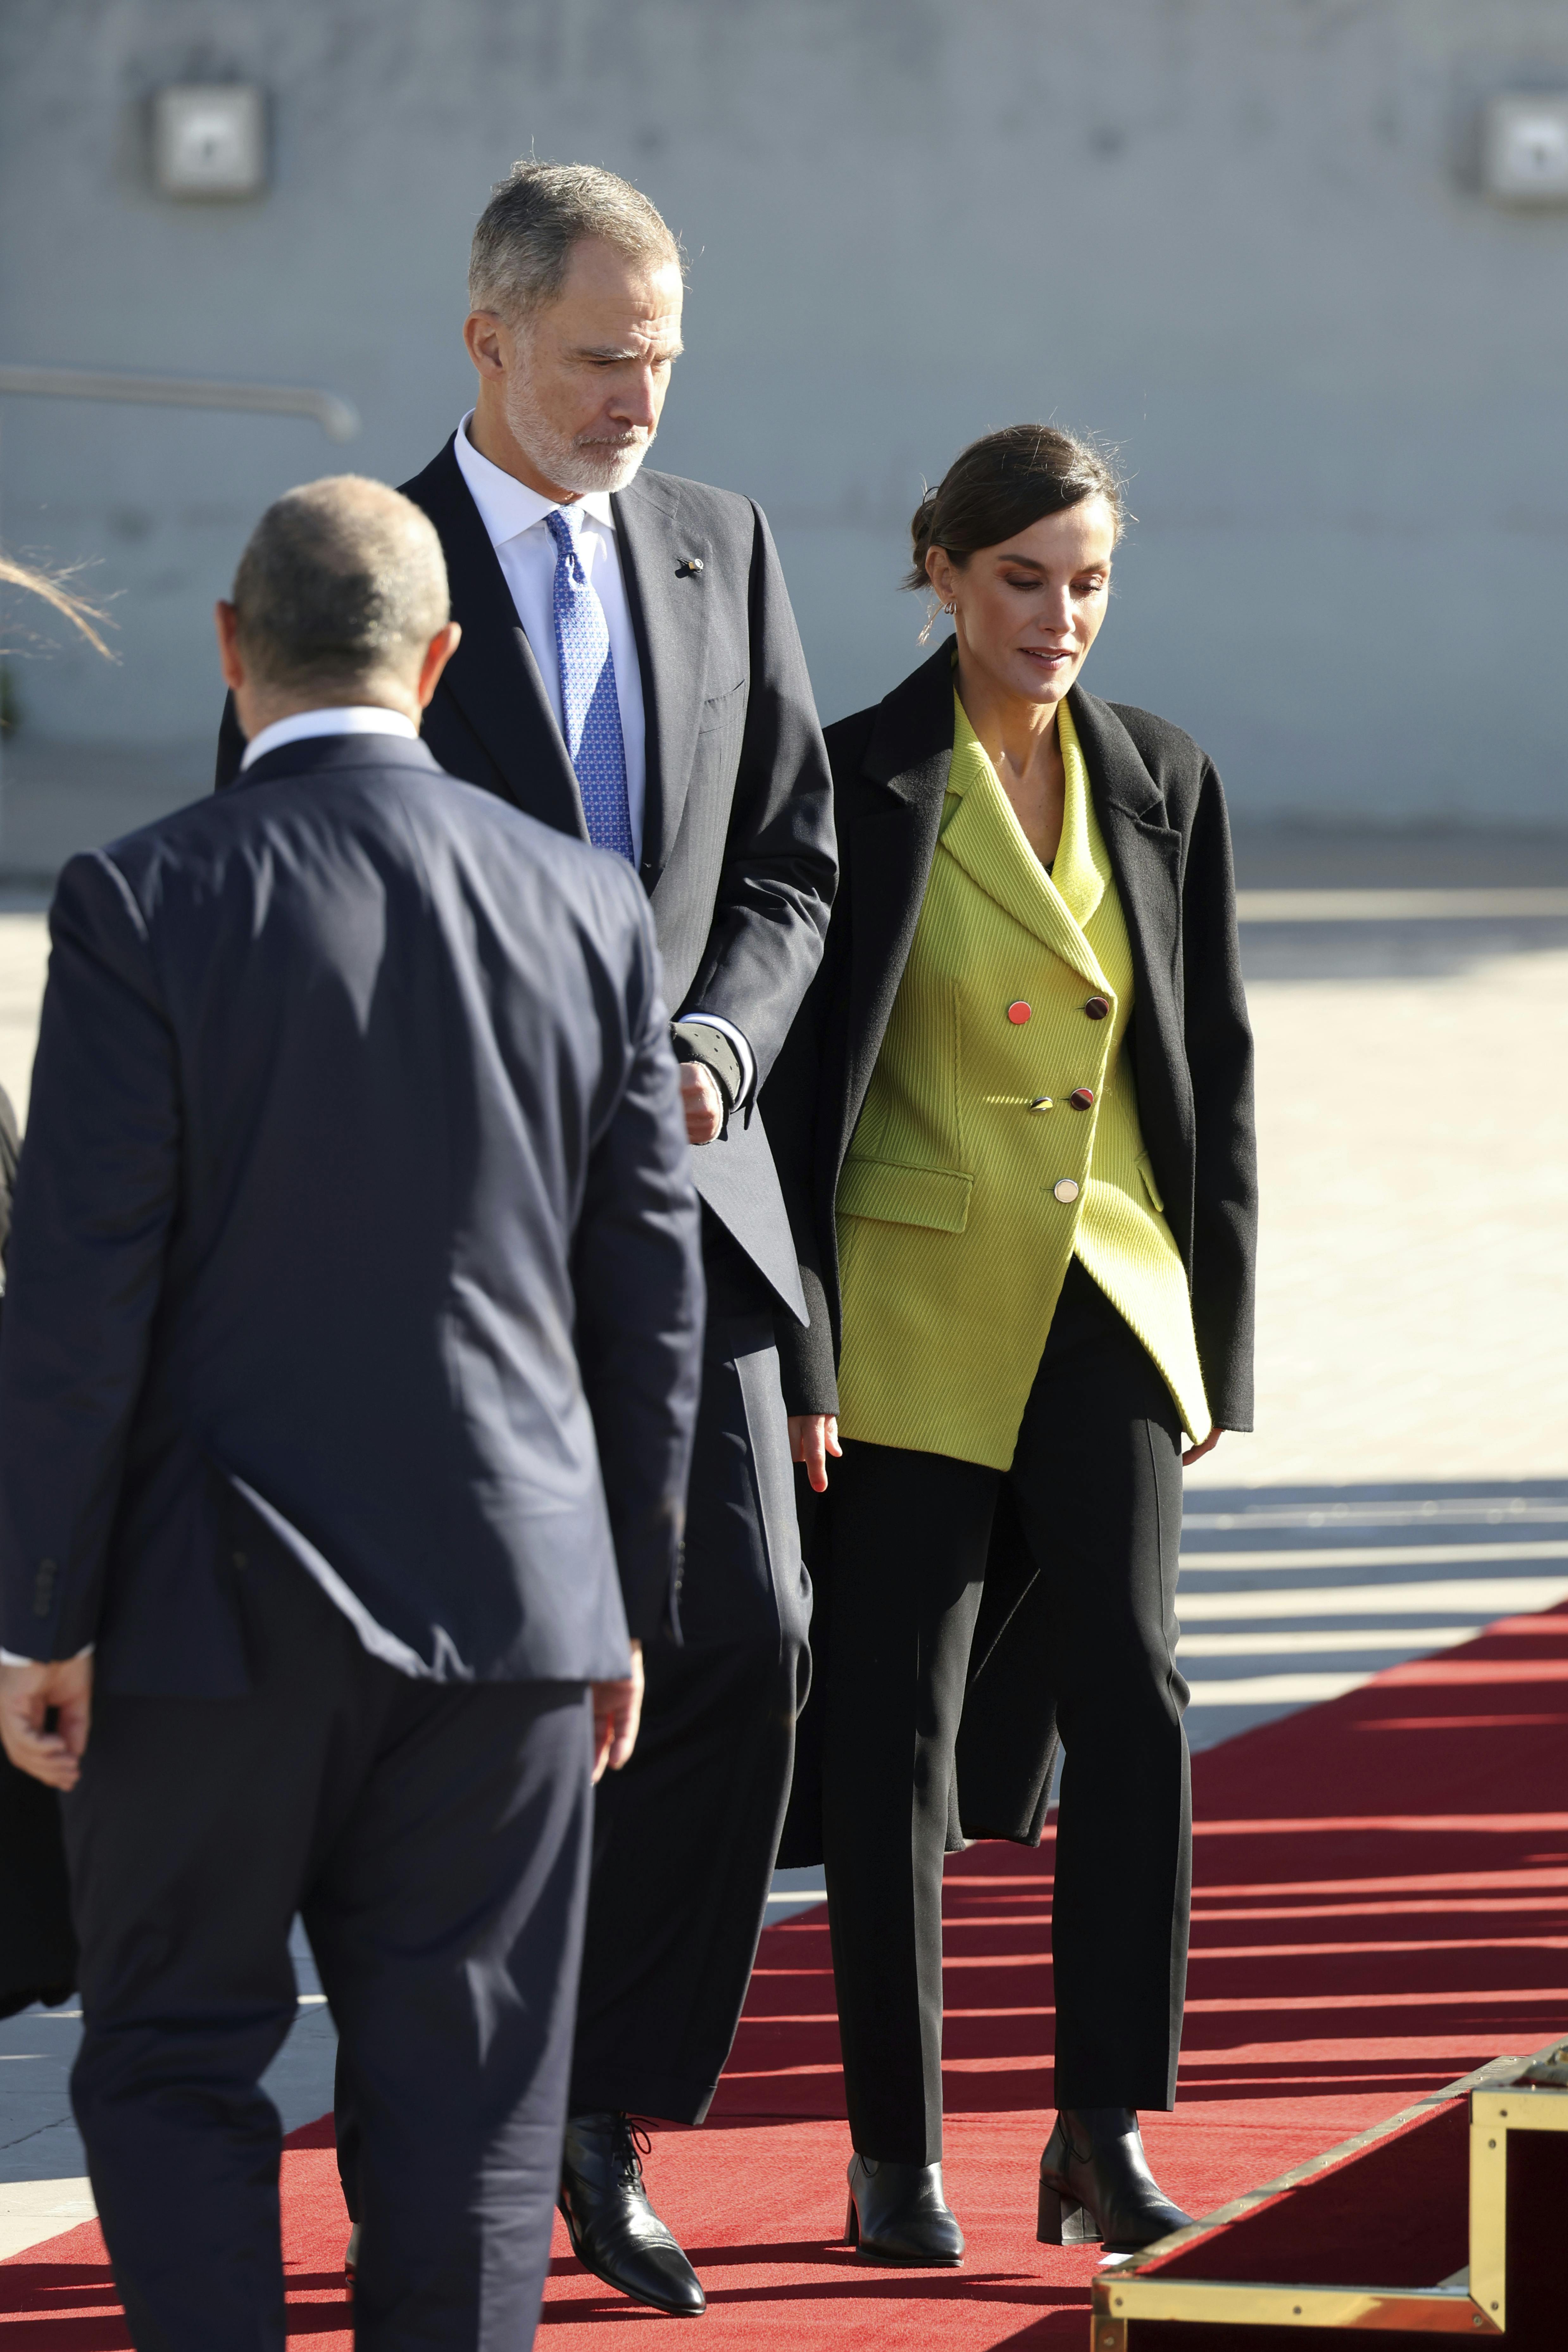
1019 1013
1081 1097
1065 1189
1097 1008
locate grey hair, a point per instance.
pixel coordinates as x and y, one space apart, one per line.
342 581
523 245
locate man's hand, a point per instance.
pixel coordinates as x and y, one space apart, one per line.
1195 1453
617 1711
702 1103
812 1437
26 1694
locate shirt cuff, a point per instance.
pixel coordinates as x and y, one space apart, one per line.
12 1658
736 1038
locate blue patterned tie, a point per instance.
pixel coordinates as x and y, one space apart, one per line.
590 708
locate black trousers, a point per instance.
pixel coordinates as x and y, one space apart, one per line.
1097 1484
684 1838
436 1839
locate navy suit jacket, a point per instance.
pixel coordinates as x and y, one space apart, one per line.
354 1199
738 854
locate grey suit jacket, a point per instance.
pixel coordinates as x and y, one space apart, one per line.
738 850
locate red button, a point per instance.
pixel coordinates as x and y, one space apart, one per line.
1097 1008
1081 1097
1019 1013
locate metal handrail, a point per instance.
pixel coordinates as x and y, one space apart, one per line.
337 418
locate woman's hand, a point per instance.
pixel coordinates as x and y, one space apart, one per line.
1195 1453
812 1437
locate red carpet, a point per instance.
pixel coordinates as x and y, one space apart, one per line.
1381 1905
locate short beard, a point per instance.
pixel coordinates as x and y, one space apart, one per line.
571 465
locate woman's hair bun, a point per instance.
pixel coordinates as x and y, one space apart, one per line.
1003 483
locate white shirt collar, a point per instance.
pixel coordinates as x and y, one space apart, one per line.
344 719
508 506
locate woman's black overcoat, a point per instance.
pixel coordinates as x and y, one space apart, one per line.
1162 813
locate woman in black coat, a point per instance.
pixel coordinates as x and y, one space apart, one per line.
1045 1281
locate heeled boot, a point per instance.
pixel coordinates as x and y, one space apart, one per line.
1095 2184
898 2214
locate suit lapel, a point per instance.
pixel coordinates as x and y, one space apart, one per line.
669 609
996 857
493 677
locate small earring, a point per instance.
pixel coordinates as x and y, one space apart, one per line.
951 609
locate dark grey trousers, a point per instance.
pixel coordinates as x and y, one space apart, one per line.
684 1838
436 1839
1095 1482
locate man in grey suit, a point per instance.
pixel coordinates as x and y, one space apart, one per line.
630 673
346 1402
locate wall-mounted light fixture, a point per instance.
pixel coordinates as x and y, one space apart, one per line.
209 140
1524 148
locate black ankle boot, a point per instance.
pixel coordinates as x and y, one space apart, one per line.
613 2229
1095 2184
897 2214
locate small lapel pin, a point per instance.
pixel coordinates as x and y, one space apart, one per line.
688 565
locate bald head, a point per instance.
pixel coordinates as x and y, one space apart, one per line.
339 598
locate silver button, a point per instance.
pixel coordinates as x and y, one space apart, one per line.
1065 1189
1042 1102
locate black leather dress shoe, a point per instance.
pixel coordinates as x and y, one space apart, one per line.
615 2232
1095 2183
897 2214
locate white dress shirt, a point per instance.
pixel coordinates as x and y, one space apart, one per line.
513 516
339 718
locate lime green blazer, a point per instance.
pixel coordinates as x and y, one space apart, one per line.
1000 1138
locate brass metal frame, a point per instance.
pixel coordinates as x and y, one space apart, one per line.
1507 2094
1494 2113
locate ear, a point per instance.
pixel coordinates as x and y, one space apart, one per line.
437 654
229 662
489 342
940 571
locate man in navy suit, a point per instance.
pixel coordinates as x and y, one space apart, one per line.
347 1395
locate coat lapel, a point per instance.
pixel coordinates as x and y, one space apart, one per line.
670 605
1145 855
889 855
493 677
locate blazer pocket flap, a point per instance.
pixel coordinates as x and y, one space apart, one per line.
718 708
1146 1170
937 1197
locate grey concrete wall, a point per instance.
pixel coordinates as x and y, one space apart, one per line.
1241 237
